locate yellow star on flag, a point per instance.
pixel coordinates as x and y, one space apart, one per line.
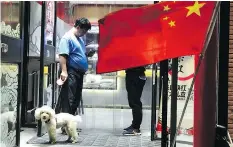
166 8
165 18
172 23
195 9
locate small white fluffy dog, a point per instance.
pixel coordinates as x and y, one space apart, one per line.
10 118
54 121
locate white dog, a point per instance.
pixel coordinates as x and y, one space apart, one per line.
55 121
10 118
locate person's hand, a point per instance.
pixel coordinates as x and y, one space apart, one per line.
63 76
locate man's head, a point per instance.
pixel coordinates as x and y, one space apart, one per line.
82 25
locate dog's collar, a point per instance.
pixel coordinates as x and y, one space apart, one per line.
49 120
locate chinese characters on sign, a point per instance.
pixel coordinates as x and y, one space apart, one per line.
181 91
186 66
180 65
185 76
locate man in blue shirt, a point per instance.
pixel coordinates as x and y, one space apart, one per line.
74 64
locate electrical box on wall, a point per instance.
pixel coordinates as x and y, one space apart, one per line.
49 54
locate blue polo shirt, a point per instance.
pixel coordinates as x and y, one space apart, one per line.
75 48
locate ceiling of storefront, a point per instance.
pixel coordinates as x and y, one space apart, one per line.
112 2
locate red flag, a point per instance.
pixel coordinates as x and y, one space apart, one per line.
141 36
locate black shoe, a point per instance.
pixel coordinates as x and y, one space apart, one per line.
132 132
130 127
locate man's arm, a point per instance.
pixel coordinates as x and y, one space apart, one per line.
63 56
63 61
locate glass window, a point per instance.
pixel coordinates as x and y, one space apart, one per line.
10 18
35 29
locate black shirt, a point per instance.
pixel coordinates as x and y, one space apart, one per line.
140 71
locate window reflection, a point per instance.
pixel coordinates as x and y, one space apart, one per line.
35 29
10 19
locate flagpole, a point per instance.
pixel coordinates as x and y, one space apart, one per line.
154 102
164 141
173 121
208 37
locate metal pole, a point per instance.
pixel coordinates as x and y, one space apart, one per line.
217 69
54 64
21 70
25 30
42 47
153 103
160 81
49 74
208 36
55 25
174 99
53 84
164 143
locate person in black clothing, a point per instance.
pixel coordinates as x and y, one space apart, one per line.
135 81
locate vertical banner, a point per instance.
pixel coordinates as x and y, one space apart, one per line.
49 22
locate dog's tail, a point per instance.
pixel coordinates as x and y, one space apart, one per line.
78 118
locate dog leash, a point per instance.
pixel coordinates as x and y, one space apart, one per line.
58 103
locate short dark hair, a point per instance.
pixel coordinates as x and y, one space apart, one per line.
83 23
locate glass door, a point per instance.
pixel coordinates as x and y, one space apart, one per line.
34 58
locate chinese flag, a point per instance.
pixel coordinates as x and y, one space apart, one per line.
146 35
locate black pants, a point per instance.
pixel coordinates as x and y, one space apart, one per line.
134 87
71 92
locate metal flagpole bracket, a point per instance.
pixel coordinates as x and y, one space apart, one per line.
201 56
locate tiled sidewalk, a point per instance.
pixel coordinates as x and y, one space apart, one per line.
103 127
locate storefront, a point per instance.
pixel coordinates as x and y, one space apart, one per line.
37 70
30 34
29 67
24 54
